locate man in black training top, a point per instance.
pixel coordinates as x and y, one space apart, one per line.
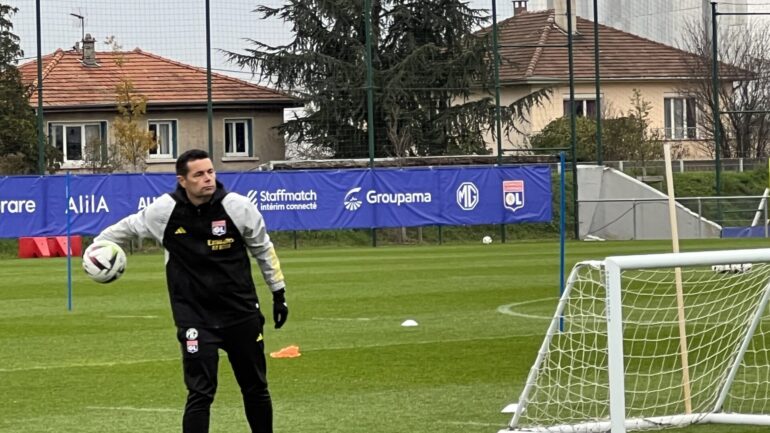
206 233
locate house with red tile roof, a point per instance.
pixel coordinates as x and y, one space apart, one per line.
79 105
534 56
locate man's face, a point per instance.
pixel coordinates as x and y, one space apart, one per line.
200 181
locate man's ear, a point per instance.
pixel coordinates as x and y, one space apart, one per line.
181 180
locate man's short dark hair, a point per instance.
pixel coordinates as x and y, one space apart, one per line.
191 155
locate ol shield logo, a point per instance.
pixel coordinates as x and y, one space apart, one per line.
352 203
513 194
467 196
219 228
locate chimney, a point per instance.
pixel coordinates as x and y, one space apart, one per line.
519 7
560 12
89 52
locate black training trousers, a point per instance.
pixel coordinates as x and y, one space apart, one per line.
246 353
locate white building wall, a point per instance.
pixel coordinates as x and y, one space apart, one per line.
626 220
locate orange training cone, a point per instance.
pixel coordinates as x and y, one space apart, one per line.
286 352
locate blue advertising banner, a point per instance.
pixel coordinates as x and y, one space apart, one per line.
301 200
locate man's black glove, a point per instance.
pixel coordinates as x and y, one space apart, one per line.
280 309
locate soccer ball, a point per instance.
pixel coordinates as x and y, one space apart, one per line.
486 240
104 261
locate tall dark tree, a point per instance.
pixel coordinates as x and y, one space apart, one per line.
432 71
18 136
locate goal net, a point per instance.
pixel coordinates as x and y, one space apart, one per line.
613 357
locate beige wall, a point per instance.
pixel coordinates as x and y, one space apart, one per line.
192 130
616 101
268 144
515 140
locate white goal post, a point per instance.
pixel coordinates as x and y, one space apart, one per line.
611 360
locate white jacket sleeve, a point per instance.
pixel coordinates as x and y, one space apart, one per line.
150 222
251 225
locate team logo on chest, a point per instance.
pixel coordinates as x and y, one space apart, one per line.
192 340
218 228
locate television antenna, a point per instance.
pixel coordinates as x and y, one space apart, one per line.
82 25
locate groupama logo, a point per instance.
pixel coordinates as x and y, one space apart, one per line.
353 203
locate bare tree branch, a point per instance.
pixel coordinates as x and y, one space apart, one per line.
744 87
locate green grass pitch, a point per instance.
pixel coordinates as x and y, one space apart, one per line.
112 364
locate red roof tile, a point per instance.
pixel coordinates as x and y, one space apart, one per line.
67 82
528 52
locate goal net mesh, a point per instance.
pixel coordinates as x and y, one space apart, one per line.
571 383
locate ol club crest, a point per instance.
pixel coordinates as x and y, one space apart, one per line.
513 194
218 228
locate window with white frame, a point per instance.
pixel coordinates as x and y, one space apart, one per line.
75 140
583 107
680 118
237 137
164 137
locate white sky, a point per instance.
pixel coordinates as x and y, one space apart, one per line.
176 28
170 28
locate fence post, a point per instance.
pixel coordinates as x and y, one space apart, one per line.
620 166
740 165
765 222
633 212
681 166
700 218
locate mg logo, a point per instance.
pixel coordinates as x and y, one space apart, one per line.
467 196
